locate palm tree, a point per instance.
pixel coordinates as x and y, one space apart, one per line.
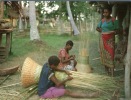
34 35
75 29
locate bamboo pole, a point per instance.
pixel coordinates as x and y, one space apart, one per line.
4 80
96 58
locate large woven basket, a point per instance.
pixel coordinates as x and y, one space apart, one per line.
30 72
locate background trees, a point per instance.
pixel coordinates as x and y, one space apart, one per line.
33 27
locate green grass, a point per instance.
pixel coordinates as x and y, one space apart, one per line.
55 41
21 46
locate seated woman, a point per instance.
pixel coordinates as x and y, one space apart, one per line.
67 62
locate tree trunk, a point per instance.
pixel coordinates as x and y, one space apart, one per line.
34 35
75 29
1 9
128 65
60 26
20 24
86 25
92 21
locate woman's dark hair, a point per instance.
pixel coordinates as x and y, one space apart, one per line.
108 7
69 42
53 60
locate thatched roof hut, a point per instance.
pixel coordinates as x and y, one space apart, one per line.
13 8
8 11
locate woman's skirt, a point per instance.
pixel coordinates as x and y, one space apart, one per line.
107 44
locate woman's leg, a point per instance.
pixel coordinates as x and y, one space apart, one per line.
54 92
110 71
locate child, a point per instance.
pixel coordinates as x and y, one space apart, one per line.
50 87
67 61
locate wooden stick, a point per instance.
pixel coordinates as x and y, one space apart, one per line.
8 94
96 58
31 93
10 85
4 80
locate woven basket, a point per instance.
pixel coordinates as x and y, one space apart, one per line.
30 72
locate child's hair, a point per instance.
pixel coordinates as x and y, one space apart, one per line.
53 60
69 42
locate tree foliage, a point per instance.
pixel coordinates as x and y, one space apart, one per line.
78 9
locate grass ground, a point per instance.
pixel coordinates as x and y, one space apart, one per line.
22 47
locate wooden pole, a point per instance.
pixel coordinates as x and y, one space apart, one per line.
10 85
128 63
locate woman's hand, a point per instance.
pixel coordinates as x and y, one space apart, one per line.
69 78
72 57
99 29
67 72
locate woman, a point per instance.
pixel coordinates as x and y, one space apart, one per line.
108 27
67 62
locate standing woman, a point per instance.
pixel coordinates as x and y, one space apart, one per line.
108 27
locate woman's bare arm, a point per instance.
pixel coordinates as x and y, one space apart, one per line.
98 29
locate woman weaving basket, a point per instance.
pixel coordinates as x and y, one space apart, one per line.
67 62
108 27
